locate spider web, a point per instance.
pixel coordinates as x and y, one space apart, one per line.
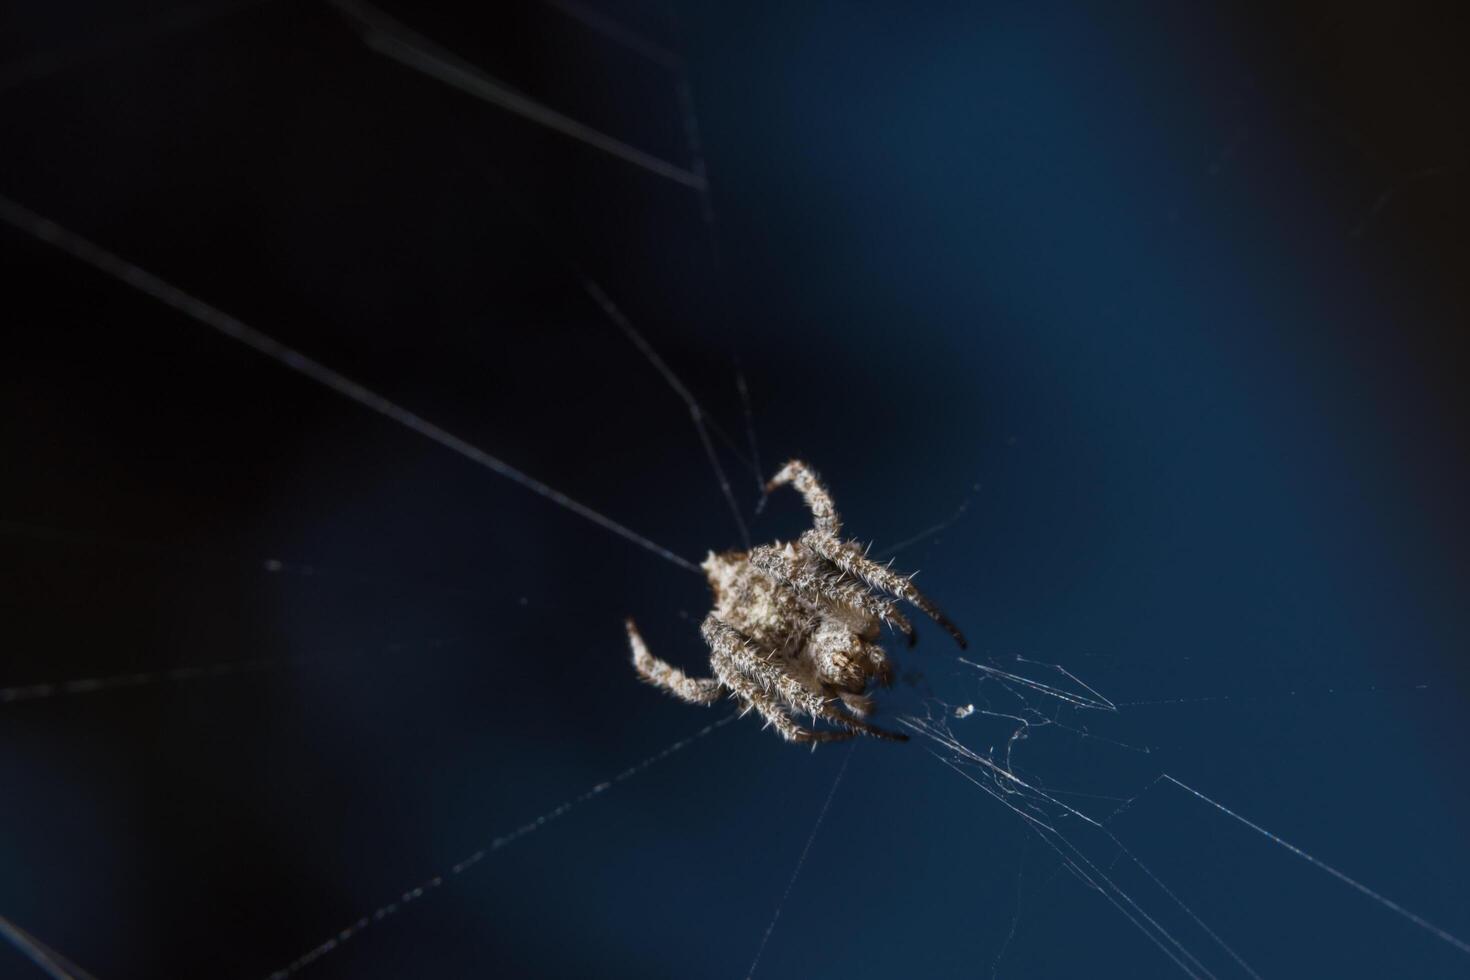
1114 816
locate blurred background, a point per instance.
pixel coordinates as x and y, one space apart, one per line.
1155 311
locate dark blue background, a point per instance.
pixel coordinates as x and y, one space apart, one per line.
1172 300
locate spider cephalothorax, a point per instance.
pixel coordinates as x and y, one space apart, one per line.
795 626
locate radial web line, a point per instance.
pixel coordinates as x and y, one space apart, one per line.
188 672
58 966
1204 926
689 119
704 423
379 23
1383 900
613 313
1296 692
1219 941
616 32
145 282
1072 856
429 885
1101 703
93 685
1096 703
393 40
929 532
796 872
755 450
1097 880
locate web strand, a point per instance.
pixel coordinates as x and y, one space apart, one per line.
1095 703
436 882
393 40
196 309
1093 877
55 965
1023 798
620 35
800 862
613 313
755 451
1353 883
174 675
1020 796
704 423
932 530
689 119
94 685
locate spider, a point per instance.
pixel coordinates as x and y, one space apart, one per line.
794 626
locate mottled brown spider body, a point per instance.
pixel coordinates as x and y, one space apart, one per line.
795 626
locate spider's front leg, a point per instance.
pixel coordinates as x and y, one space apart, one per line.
695 690
849 557
809 579
858 725
810 486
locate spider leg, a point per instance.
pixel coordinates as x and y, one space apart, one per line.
858 725
859 704
695 690
764 684
811 581
810 486
755 698
766 670
849 557
878 665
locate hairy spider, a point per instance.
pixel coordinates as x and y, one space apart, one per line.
794 626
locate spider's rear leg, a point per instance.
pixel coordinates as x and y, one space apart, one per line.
695 690
847 556
827 735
